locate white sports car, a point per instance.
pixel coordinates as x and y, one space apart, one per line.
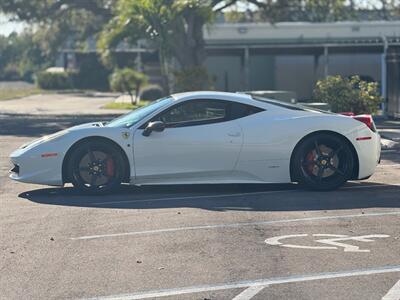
205 137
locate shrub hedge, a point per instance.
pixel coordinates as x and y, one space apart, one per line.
55 80
152 92
348 94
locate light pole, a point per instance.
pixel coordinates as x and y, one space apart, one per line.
384 74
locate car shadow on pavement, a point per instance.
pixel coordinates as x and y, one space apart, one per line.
246 197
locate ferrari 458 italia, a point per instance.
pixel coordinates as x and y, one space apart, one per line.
205 137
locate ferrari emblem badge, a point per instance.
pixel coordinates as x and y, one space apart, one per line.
125 135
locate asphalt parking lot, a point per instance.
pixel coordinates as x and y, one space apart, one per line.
196 242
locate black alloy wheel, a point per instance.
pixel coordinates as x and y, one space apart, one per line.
323 162
96 167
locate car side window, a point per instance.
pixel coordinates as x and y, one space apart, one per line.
196 112
204 111
240 110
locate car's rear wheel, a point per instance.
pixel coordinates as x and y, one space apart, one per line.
323 162
96 167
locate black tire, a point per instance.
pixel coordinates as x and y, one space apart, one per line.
323 162
96 167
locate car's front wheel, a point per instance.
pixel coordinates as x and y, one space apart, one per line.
323 162
96 167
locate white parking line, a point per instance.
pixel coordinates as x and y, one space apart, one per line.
249 293
253 283
357 186
394 293
234 225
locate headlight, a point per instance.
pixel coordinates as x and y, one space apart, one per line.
45 139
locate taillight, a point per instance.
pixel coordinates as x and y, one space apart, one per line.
367 120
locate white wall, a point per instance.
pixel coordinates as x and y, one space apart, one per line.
242 33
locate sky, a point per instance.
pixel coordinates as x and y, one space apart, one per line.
7 27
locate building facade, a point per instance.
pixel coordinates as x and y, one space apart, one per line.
293 56
284 56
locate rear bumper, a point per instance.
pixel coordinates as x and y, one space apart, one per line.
368 151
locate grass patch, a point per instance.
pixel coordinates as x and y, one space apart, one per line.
13 93
127 106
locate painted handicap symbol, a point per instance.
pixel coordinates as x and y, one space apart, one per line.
332 241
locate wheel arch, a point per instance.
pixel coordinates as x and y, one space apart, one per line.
333 133
103 139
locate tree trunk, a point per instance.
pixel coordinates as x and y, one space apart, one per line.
189 45
164 73
137 95
131 95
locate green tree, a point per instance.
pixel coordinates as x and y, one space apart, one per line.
175 26
327 10
58 22
348 94
126 81
306 10
20 56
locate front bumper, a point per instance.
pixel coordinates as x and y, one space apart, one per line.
15 169
30 167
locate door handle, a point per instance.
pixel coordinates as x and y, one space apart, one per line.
234 134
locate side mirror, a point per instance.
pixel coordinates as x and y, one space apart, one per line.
157 126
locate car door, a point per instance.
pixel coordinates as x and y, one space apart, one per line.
199 144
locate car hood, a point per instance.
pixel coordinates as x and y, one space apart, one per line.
49 137
86 125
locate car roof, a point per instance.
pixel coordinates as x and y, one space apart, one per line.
212 95
244 98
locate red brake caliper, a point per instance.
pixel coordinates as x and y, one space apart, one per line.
110 167
310 157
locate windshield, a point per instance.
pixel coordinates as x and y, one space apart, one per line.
137 115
